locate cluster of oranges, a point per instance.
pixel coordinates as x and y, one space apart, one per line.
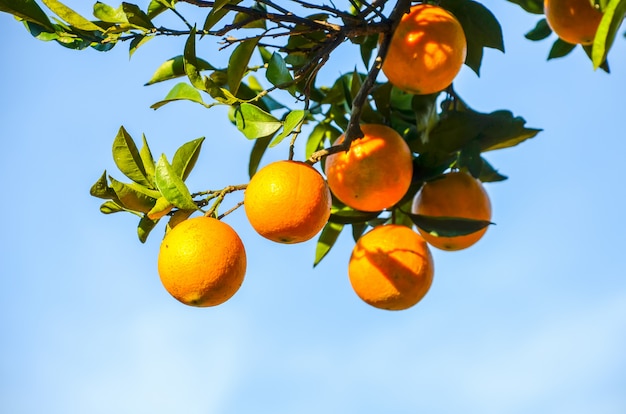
202 261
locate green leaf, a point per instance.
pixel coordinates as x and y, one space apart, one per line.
326 241
109 14
541 31
147 160
161 208
238 63
172 186
292 123
138 41
110 207
503 130
347 215
190 63
175 68
447 226
358 229
560 48
610 23
128 159
278 74
217 13
101 188
28 10
134 196
157 7
145 227
481 28
531 6
186 156
181 92
255 122
71 17
488 174
258 150
137 17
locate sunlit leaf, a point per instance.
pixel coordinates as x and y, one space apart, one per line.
254 122
71 17
217 13
172 186
147 160
293 121
611 21
110 207
28 10
127 158
185 157
137 17
181 92
174 68
144 228
238 63
134 196
161 208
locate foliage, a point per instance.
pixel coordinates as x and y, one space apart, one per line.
276 49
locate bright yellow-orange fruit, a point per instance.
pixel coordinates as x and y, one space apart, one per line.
287 202
391 267
575 21
427 50
375 173
456 194
202 262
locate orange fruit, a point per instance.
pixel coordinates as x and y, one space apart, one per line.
427 50
391 267
375 173
456 194
287 202
202 262
575 21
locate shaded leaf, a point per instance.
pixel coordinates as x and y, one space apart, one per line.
137 42
101 188
172 186
447 226
348 215
258 150
134 196
531 6
560 48
28 10
217 13
277 72
541 31
238 63
326 241
254 122
488 174
137 17
145 227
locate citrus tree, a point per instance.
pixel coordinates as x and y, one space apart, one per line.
392 153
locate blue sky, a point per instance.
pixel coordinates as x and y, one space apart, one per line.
531 319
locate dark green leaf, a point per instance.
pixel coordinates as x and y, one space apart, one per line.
217 13
469 158
28 10
447 226
610 23
560 48
489 174
172 186
238 63
531 6
71 17
503 130
258 149
128 159
254 122
186 156
481 28
292 123
175 68
347 215
137 17
101 188
190 63
326 241
367 47
277 72
358 229
181 92
541 31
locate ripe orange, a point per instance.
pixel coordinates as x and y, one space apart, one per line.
202 262
391 267
575 21
456 194
375 173
427 50
287 202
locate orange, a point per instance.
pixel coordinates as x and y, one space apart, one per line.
287 202
456 194
575 21
427 50
375 173
202 262
391 267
